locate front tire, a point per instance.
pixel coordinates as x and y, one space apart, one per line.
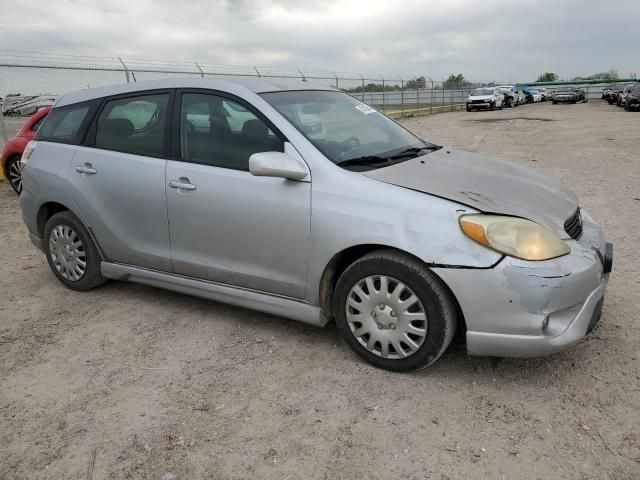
71 253
394 312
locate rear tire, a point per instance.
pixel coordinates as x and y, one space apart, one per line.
14 173
419 320
468 108
71 253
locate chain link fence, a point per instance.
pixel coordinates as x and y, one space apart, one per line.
41 77
29 80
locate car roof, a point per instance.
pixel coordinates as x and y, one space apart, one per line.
223 83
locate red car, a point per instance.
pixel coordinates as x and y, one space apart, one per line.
12 151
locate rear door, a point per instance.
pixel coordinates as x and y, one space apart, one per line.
118 179
227 225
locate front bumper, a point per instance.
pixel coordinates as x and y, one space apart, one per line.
565 99
531 309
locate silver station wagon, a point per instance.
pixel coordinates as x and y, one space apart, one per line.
301 201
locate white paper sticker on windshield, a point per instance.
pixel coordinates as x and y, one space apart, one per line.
366 109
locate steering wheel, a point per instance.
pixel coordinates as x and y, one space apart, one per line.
348 144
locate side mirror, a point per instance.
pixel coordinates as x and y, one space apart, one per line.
277 164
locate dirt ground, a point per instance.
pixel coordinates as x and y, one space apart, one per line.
128 381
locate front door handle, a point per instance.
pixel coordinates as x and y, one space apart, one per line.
86 168
182 184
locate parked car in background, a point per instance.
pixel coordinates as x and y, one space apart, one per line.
398 240
522 98
544 93
511 97
487 98
567 94
632 102
24 106
621 98
614 94
12 150
532 95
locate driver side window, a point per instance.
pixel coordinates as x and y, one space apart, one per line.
218 131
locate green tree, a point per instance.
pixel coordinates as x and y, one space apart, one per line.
610 76
418 82
548 77
455 81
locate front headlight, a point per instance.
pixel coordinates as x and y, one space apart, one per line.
513 236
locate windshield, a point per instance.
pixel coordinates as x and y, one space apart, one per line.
342 127
482 91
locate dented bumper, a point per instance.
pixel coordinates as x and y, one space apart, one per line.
528 309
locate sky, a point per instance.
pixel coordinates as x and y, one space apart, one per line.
488 40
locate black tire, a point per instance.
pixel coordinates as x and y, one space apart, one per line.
553 102
468 108
510 103
16 185
501 106
92 277
492 106
435 297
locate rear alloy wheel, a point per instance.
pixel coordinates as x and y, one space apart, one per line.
14 171
71 254
394 312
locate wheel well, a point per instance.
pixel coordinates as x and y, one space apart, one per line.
47 211
343 259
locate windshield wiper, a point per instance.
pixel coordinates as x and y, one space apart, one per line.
365 160
387 159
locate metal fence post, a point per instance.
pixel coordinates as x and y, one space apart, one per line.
384 104
336 77
417 97
362 78
431 99
257 71
201 72
3 127
401 97
126 70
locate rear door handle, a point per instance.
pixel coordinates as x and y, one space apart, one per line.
182 184
86 168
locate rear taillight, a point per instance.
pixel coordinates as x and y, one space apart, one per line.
28 151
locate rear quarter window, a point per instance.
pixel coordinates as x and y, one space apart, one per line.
66 124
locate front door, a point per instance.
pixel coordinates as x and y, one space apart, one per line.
227 225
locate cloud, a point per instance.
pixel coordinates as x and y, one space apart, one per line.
489 40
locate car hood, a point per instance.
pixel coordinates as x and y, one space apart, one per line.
485 184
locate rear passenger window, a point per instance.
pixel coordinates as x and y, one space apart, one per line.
134 125
221 132
63 124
